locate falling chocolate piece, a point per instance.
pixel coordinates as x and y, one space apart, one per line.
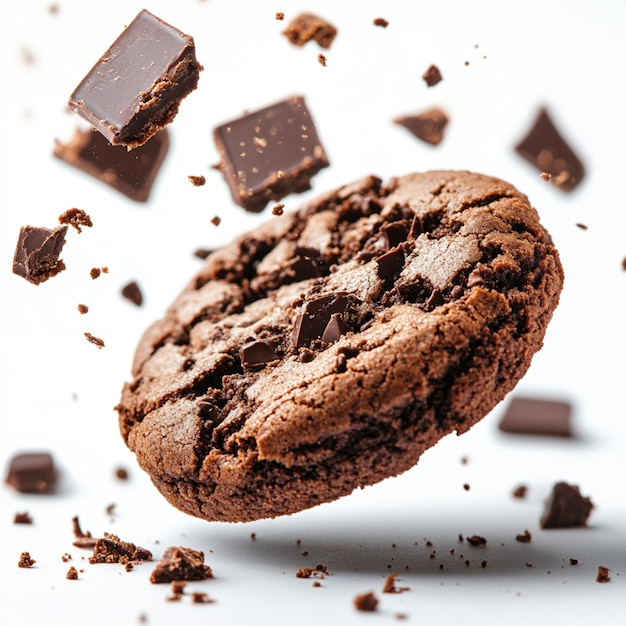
32 472
132 292
432 76
428 126
306 27
546 149
566 507
537 416
136 87
37 253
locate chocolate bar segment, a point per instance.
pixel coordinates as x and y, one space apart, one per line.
37 253
136 87
32 472
270 153
130 172
537 416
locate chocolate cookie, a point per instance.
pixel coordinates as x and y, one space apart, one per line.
329 348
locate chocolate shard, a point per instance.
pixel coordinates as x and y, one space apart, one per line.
395 232
537 416
306 27
546 149
270 153
428 126
37 253
390 264
432 76
136 87
180 563
335 328
566 507
256 352
311 323
131 173
132 292
32 472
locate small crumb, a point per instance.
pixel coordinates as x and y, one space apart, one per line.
317 583
525 537
476 540
121 473
390 585
322 59
83 309
624 263
26 560
22 518
216 220
603 575
466 487
366 602
582 226
197 181
573 561
110 510
466 63
202 253
520 491
200 597
483 564
28 58
432 76
132 292
95 272
464 460
53 9
99 343
178 586
278 209
72 573
306 27
381 21
401 616
280 16
546 176
253 536
529 564
66 557
77 218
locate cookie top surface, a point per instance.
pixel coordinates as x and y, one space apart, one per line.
330 347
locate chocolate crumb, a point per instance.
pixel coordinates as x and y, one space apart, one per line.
306 27
253 536
546 176
197 181
278 209
111 549
179 563
22 518
25 560
322 59
77 218
603 574
121 473
381 21
95 272
573 561
466 486
83 309
525 537
132 292
366 602
66 557
566 507
476 540
178 586
216 220
428 126
390 585
520 491
432 76
99 343
582 226
202 253
72 573
483 564
110 510
200 597
280 16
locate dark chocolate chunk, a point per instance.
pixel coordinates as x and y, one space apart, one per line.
335 328
428 126
270 153
255 353
566 507
524 537
395 232
131 173
132 292
603 575
136 87
432 76
536 416
390 264
77 218
381 21
546 149
111 549
72 573
32 472
366 602
476 540
37 253
311 323
306 27
180 563
22 518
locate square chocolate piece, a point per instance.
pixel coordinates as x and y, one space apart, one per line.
32 472
135 88
129 172
37 253
544 147
536 416
270 153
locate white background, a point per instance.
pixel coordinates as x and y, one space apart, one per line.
57 391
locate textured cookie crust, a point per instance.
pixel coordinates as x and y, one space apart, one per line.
329 348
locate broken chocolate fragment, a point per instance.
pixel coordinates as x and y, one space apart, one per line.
131 173
390 264
136 87
546 149
603 575
132 293
428 126
566 507
197 181
335 328
311 323
537 416
111 549
37 253
22 518
72 573
381 21
76 218
270 153
26 560
432 76
306 27
96 341
255 353
366 602
178 563
32 472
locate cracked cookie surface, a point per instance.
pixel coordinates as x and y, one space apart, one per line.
329 348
